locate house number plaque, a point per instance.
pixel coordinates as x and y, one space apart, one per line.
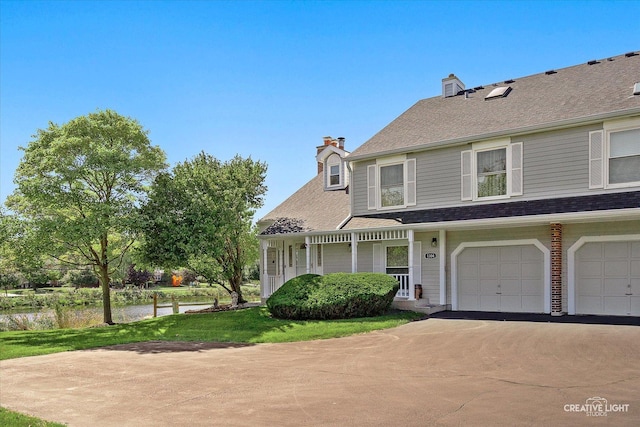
429 255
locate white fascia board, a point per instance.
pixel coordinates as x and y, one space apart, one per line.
328 150
516 221
530 220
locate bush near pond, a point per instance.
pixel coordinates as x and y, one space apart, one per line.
333 296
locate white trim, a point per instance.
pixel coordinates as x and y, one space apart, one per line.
571 262
629 214
412 288
609 128
547 266
442 242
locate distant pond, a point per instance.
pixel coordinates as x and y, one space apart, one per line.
129 313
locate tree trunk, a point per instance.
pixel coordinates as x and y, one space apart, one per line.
236 281
104 280
106 296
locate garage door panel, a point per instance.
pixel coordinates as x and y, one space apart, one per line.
468 286
511 303
488 255
513 254
531 271
509 270
489 303
616 287
616 305
468 302
616 250
635 250
635 305
591 251
532 253
635 268
616 268
591 287
469 255
469 271
532 288
489 271
510 287
532 304
488 287
589 305
590 269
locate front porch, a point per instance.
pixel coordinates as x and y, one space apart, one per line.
394 252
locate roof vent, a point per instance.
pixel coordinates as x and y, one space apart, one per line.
630 54
593 62
451 86
509 81
499 92
636 89
478 88
548 73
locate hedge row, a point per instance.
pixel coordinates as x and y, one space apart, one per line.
333 296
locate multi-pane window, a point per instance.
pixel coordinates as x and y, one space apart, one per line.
624 156
397 260
334 175
392 185
491 173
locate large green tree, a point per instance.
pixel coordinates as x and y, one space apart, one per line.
200 216
80 187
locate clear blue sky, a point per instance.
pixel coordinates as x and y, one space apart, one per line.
270 79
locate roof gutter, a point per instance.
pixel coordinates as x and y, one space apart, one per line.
560 124
515 221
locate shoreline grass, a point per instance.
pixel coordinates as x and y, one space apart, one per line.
251 326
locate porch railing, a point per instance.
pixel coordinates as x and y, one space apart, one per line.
274 283
403 279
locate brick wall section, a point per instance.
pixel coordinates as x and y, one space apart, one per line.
556 269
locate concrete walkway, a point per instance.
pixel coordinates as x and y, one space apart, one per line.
446 372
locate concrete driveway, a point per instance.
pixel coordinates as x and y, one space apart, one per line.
432 372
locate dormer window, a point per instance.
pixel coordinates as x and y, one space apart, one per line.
334 177
332 164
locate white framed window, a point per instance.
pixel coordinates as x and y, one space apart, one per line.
397 259
391 183
491 170
614 155
333 168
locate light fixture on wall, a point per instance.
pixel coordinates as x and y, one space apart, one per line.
434 242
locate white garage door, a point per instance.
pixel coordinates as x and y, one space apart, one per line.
504 278
608 278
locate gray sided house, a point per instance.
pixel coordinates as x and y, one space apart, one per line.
517 196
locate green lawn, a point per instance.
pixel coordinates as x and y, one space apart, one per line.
15 419
252 325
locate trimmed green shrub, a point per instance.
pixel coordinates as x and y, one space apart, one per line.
333 296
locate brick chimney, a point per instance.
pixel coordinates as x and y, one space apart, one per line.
338 143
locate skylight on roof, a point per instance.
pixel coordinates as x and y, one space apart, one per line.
499 92
636 89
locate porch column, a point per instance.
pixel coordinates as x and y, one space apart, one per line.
556 269
265 276
442 242
412 287
307 243
354 252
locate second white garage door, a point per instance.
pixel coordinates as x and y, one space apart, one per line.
502 278
608 278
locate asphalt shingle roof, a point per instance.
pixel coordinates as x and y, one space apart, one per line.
572 93
309 209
